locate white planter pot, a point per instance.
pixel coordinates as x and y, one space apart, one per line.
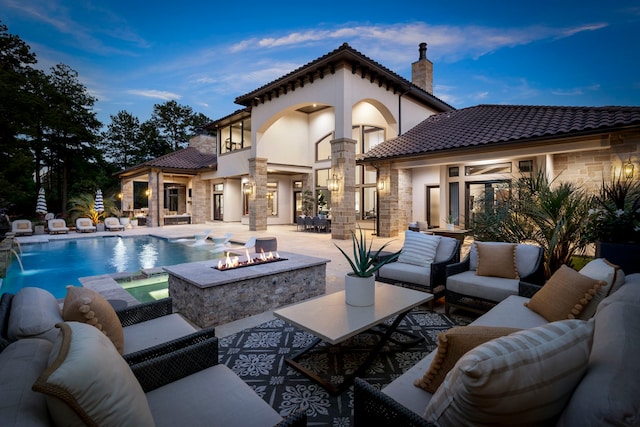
124 221
359 291
450 227
134 223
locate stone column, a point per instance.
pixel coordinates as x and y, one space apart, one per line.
343 203
405 201
387 202
258 200
200 201
156 209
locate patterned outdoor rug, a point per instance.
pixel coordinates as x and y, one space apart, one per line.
258 356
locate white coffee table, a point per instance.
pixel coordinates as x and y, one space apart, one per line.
331 320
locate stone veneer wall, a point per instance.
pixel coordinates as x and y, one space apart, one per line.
216 305
258 200
588 168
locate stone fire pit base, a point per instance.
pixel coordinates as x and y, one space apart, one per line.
210 297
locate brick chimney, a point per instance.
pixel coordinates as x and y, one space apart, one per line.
422 70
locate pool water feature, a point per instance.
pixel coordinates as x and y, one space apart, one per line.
147 288
55 264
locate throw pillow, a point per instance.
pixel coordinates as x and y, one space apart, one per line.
564 295
88 383
88 306
497 260
610 274
419 248
452 345
527 375
34 314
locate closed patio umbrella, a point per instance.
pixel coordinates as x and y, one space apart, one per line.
41 204
99 204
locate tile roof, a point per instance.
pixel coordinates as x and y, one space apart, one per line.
359 63
189 159
484 125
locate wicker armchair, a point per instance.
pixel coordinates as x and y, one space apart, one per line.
136 314
431 279
155 371
373 407
479 304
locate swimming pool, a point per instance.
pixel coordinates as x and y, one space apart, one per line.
58 263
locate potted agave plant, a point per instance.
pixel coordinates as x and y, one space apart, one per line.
359 284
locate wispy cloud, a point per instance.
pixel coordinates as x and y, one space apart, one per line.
576 90
156 94
103 37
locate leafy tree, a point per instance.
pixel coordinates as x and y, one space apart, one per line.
122 141
153 144
73 126
552 215
17 190
176 123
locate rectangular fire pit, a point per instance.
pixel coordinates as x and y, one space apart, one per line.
209 297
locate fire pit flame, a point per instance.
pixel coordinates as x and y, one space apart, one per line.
231 262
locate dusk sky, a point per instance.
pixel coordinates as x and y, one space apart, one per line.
133 54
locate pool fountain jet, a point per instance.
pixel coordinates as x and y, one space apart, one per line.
230 262
18 258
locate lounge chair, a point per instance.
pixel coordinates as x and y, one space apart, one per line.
84 225
22 227
113 224
57 226
201 239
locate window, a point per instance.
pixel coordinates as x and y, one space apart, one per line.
525 166
487 169
272 198
454 202
218 188
366 137
454 171
322 175
140 196
323 148
235 136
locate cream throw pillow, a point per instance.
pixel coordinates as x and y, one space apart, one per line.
452 345
419 248
88 306
497 260
565 295
527 375
88 383
610 274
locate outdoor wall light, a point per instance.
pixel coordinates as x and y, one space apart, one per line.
148 192
381 185
628 169
247 188
333 183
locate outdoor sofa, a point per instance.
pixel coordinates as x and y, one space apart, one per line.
178 379
486 373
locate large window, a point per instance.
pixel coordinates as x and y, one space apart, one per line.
140 196
323 148
272 198
235 136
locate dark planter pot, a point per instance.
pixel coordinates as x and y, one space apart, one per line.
625 255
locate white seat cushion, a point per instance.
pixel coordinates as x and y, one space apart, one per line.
408 273
490 288
155 331
212 397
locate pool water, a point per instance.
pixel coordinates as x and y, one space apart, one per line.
55 264
147 289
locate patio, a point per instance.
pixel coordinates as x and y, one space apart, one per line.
254 347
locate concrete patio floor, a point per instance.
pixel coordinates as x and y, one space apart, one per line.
288 239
